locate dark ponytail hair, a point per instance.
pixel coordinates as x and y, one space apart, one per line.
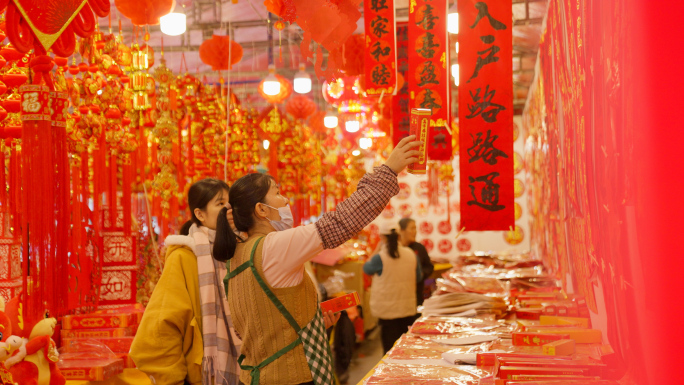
244 195
199 196
393 244
404 222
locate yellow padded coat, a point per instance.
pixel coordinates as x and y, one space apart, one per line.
168 345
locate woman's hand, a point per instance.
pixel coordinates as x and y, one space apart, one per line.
330 319
403 154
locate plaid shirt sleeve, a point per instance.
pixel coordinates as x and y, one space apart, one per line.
361 208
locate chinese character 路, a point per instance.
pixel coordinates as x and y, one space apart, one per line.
483 105
483 148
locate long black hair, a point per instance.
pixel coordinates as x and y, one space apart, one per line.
243 197
393 243
199 196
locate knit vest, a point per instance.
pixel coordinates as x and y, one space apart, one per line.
263 328
393 293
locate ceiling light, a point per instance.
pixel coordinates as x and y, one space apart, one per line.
356 152
365 143
266 144
330 120
352 125
302 81
271 83
173 24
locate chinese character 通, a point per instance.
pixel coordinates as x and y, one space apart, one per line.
427 49
428 20
428 75
489 194
483 11
490 58
379 26
381 75
377 50
429 101
484 106
378 5
483 148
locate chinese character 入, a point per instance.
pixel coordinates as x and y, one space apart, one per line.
483 11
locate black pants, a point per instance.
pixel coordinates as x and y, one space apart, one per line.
392 329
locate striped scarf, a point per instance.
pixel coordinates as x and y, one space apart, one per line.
221 347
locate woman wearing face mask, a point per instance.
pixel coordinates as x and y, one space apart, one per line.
186 333
272 300
408 231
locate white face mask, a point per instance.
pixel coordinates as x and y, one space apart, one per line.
286 220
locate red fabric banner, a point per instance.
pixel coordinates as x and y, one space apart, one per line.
486 114
428 75
381 51
400 101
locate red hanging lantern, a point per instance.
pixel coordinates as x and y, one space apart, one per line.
214 52
300 107
144 12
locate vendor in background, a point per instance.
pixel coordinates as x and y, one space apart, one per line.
396 271
186 334
408 231
273 302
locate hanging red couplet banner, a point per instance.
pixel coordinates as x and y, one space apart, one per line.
381 51
400 101
428 76
486 114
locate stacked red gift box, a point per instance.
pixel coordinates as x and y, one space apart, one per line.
549 342
111 332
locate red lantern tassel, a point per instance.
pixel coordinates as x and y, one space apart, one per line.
3 181
76 232
126 200
15 190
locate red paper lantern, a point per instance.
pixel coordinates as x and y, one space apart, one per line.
300 107
144 12
214 52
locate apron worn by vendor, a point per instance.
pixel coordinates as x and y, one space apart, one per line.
283 333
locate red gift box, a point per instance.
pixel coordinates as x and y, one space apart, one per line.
90 370
536 339
98 321
128 361
100 333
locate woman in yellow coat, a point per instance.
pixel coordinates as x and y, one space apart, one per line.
175 342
